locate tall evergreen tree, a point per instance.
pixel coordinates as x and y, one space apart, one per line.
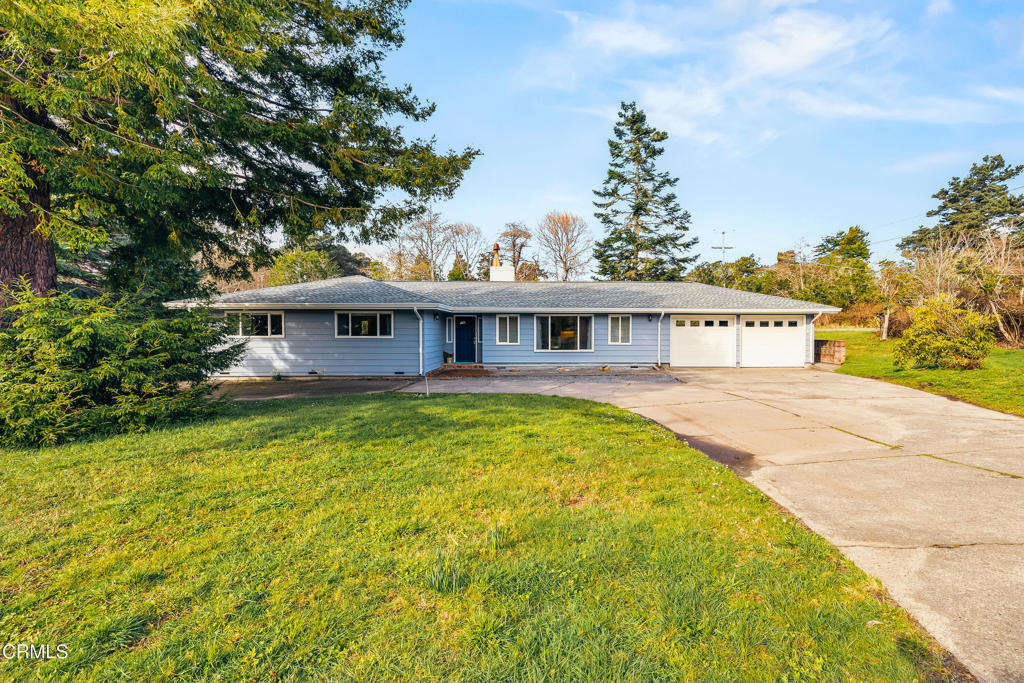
194 130
847 276
971 207
646 236
847 244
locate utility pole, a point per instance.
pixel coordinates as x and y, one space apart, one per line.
723 247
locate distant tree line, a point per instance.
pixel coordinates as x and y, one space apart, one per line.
973 253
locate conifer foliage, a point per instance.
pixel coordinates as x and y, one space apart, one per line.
198 128
71 367
646 229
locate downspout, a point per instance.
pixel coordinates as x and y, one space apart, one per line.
810 351
420 319
660 318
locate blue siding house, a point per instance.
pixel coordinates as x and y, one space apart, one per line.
355 326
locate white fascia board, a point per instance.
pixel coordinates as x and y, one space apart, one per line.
221 306
669 311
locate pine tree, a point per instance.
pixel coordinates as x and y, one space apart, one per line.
460 269
646 228
851 243
193 132
971 207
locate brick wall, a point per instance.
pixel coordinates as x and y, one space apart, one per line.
831 351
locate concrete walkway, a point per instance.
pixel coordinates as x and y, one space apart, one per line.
925 493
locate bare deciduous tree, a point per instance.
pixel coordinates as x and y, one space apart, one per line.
937 268
431 240
399 258
514 241
468 243
565 245
895 287
995 270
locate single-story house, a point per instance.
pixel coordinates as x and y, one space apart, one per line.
358 326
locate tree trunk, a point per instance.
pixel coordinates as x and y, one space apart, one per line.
23 250
885 324
999 321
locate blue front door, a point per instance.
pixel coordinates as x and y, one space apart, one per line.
465 339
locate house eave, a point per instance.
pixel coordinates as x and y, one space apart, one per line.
652 309
277 305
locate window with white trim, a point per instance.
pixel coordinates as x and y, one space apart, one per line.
255 324
620 329
507 329
449 329
564 333
363 324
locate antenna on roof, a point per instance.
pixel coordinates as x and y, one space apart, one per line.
723 247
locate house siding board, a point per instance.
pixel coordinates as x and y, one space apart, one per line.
433 341
642 351
309 344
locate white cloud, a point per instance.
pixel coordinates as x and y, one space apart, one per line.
908 108
741 73
753 5
936 8
927 162
797 40
1014 95
620 35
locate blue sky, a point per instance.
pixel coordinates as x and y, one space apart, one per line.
788 119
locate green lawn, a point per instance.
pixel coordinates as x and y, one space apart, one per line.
398 537
999 384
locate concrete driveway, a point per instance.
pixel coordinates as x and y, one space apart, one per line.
925 493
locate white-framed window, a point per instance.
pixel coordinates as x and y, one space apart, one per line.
449 329
255 323
507 332
360 324
620 329
564 333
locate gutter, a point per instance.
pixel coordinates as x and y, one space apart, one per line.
263 306
447 308
672 311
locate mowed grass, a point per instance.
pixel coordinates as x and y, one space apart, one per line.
397 537
999 384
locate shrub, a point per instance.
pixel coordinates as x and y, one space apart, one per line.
899 322
862 314
944 336
71 368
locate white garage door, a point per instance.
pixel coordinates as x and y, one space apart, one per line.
703 341
773 341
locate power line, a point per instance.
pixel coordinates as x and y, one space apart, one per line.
920 215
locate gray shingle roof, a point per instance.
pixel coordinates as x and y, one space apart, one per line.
350 290
647 296
357 290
